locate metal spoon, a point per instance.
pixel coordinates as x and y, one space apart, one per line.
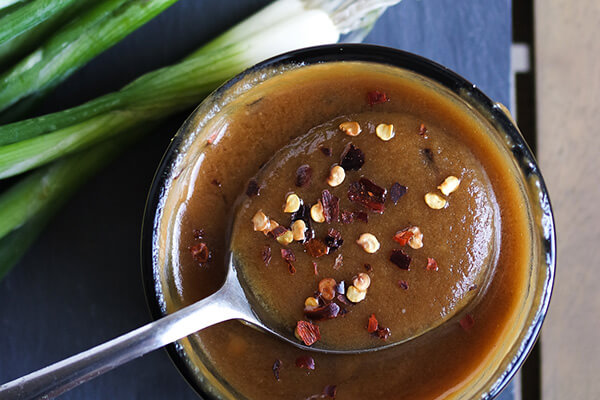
229 302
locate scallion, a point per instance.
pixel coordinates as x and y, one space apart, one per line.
74 45
23 27
282 26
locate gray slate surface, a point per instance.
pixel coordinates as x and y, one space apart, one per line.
80 283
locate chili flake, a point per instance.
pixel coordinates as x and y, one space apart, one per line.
377 97
347 217
316 248
340 288
397 191
303 175
361 216
403 236
276 368
328 311
384 333
352 158
330 391
373 324
401 259
423 131
368 194
305 362
198 234
315 268
289 257
307 332
333 240
467 322
368 267
278 231
403 284
200 252
253 188
339 261
266 255
331 206
325 150
432 265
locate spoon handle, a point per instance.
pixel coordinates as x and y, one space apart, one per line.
53 380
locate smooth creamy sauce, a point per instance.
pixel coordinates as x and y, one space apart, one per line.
461 238
438 363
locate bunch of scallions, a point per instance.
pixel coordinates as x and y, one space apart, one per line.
60 151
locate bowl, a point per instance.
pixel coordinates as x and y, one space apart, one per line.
160 282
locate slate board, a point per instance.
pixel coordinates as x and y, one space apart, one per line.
80 283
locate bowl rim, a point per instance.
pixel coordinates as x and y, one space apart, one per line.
381 55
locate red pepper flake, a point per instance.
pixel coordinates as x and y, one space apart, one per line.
347 217
397 191
344 300
303 175
305 362
211 139
467 322
368 194
376 97
401 259
423 131
303 213
403 284
368 267
333 240
198 234
253 188
473 287
316 248
432 265
373 324
403 236
384 333
331 206
340 287
361 216
339 261
325 150
289 257
330 391
308 333
328 311
200 252
216 183
278 231
352 158
276 368
266 255
315 268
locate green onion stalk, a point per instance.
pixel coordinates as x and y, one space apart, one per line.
72 46
282 26
24 25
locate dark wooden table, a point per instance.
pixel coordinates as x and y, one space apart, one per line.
80 284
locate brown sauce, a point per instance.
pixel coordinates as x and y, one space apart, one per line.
442 361
461 237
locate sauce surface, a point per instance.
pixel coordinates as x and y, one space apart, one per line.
460 237
441 362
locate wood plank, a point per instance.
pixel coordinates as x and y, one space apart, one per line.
568 107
